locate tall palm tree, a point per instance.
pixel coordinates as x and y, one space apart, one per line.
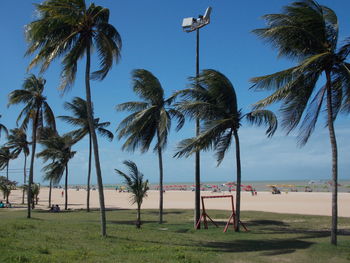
308 33
57 149
213 100
2 127
17 142
150 118
136 185
71 29
5 157
37 111
78 107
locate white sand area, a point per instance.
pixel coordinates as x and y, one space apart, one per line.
293 202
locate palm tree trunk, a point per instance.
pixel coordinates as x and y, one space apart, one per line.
24 176
238 186
50 192
7 170
31 170
160 181
66 189
138 220
94 142
334 162
89 177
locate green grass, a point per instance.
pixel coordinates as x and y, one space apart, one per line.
74 237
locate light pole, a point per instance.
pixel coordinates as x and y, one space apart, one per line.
191 24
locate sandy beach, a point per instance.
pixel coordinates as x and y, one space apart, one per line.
315 203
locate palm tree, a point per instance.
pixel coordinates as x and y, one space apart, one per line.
78 107
308 33
213 100
70 29
17 142
136 186
6 186
46 133
2 127
57 149
5 157
36 110
150 118
36 191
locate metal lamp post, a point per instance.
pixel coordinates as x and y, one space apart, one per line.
191 24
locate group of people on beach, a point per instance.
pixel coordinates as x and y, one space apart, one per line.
7 205
55 209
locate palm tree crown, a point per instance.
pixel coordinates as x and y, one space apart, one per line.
17 142
5 157
307 32
79 119
151 117
57 149
213 100
36 107
135 183
66 28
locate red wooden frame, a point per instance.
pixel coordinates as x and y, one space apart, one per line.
232 217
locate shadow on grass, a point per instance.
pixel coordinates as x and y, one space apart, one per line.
272 247
128 222
165 213
266 222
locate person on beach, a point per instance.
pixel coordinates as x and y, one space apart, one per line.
56 209
2 204
62 193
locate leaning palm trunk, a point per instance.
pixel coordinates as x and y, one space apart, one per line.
66 189
89 177
160 182
94 141
24 177
31 171
50 192
334 162
238 187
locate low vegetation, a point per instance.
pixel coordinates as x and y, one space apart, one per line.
73 237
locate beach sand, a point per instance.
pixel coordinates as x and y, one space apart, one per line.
315 203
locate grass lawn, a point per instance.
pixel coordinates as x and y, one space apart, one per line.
74 237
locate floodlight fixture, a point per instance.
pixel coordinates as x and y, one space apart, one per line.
190 24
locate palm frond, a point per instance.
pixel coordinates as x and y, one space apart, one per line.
264 117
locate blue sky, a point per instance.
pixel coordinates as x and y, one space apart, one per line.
153 39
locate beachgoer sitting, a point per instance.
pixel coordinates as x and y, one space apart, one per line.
52 208
56 209
8 205
2 204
